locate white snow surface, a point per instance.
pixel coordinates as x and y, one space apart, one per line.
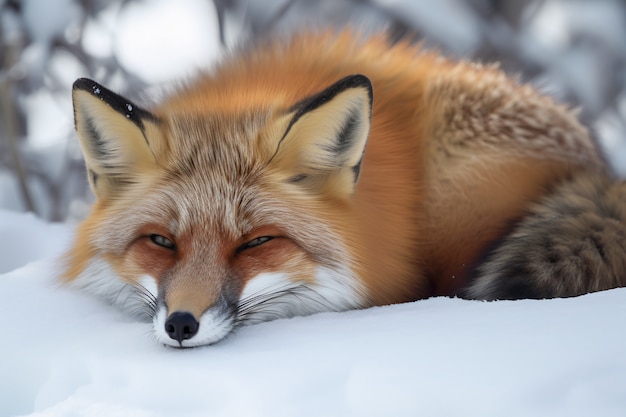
163 40
67 354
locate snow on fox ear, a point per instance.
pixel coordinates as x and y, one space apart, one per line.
324 141
119 140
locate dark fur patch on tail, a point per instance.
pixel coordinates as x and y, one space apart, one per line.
571 243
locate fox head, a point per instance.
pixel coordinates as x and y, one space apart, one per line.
205 220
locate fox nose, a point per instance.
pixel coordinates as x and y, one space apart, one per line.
181 325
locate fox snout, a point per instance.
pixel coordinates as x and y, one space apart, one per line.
189 315
183 329
181 325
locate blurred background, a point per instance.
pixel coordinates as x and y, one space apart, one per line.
574 50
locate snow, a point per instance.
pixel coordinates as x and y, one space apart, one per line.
610 128
47 116
10 198
462 37
556 21
26 238
66 354
163 40
48 19
99 32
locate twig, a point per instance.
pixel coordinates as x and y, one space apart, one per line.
9 117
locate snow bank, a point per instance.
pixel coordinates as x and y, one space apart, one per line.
26 238
65 354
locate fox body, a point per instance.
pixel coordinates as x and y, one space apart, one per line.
321 173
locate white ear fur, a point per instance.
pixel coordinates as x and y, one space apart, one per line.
326 136
113 137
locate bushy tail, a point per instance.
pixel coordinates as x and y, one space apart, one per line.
570 243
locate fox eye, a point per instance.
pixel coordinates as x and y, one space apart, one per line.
253 243
162 241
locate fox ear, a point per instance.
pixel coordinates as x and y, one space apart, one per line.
325 138
118 139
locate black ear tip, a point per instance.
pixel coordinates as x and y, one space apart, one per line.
359 80
86 84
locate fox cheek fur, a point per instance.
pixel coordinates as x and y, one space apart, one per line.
330 172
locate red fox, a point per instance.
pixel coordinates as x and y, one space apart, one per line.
330 172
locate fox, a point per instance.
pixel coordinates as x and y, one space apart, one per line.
330 171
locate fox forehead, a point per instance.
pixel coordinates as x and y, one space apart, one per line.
222 144
213 167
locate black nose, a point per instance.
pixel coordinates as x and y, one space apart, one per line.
181 325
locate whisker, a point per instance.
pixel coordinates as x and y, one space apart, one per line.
260 294
136 299
148 298
261 299
260 306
